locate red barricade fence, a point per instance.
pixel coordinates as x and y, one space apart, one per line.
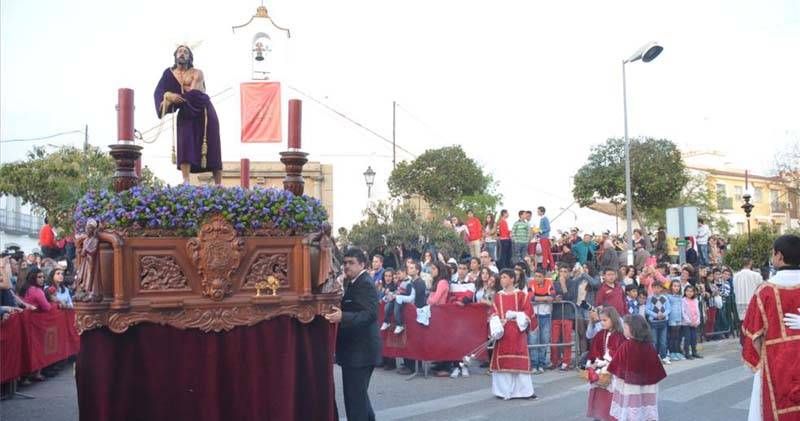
30 341
453 332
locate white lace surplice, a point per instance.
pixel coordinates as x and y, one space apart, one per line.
632 402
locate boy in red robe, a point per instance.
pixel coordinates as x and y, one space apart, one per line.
511 318
771 337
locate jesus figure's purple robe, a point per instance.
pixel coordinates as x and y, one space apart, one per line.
196 119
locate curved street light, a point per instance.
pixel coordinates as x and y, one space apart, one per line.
647 53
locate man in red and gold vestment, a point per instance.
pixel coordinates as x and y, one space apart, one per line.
771 337
512 316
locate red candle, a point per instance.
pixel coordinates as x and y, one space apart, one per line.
125 115
295 122
244 173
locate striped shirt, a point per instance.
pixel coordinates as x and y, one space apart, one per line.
520 232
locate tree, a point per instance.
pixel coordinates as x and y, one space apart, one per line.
449 180
658 175
697 193
761 240
53 180
787 165
387 227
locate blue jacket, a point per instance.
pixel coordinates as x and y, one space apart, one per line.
584 251
675 309
544 226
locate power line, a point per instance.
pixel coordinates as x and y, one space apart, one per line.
32 139
351 120
160 123
423 123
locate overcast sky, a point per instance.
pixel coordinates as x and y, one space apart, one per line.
525 87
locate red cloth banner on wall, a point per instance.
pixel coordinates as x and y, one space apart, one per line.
453 332
261 112
30 341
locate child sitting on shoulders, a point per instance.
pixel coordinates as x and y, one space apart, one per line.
636 370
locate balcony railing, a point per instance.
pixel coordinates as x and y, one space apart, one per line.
19 223
725 203
778 207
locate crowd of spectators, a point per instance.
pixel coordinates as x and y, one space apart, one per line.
569 279
37 283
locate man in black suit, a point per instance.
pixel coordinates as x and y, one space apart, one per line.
358 345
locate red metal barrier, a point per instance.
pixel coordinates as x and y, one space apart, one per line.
30 341
453 332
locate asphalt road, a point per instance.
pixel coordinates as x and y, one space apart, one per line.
714 388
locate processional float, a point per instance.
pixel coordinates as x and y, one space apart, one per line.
204 303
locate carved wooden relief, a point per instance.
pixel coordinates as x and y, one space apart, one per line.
160 273
150 281
212 319
265 265
216 252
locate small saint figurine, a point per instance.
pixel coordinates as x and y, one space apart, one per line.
87 277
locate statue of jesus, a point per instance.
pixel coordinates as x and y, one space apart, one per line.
182 90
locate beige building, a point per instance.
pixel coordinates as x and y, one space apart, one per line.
774 202
318 179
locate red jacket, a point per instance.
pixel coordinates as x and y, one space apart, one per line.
505 233
46 236
475 229
612 296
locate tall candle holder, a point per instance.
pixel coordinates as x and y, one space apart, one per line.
125 153
294 162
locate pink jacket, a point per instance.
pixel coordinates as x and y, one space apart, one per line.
691 312
647 281
35 296
439 296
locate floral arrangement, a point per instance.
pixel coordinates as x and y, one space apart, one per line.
182 209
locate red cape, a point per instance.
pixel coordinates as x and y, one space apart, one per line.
637 363
597 348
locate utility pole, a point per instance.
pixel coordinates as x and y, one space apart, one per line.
86 138
394 134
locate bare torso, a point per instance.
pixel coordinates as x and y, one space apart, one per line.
189 79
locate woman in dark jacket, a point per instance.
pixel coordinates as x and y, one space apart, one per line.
609 259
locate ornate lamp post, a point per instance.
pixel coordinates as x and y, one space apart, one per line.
748 208
369 177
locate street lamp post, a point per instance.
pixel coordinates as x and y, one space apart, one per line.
369 177
647 54
748 208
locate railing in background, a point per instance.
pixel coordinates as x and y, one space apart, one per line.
19 223
778 207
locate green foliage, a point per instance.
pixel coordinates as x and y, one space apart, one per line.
447 179
393 226
54 180
696 193
658 175
761 239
